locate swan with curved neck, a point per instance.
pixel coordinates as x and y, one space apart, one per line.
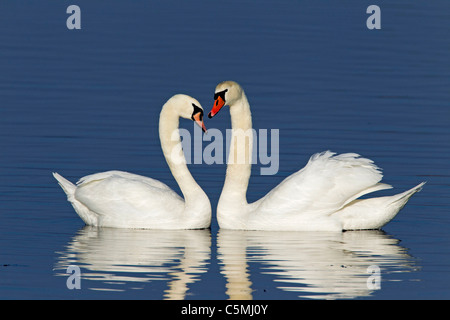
324 195
125 200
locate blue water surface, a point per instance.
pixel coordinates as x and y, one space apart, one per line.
84 101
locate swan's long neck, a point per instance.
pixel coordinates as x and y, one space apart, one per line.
174 155
240 156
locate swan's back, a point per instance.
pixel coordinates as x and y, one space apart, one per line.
326 184
121 174
129 199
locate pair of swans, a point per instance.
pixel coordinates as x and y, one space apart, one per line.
323 196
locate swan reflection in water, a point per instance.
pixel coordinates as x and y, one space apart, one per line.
317 265
115 259
314 265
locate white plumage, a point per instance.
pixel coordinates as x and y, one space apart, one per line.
321 196
125 200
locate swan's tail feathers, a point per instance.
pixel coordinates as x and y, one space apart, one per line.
68 187
402 198
374 213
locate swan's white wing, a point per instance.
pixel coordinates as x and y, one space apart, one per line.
129 199
123 174
324 185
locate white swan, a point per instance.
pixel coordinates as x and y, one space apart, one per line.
125 200
321 196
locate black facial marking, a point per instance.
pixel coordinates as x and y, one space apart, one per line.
197 110
220 94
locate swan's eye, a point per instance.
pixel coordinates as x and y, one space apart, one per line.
197 110
220 94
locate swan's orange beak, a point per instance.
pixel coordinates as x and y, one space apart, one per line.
218 104
199 120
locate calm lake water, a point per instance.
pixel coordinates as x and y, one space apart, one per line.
85 101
